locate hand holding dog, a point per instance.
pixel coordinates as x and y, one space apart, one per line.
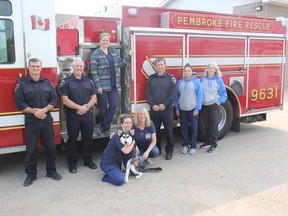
132 143
128 148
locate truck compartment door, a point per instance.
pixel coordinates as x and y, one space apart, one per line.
266 71
148 47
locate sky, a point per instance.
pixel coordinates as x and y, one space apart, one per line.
92 7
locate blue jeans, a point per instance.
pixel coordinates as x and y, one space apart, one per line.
106 112
188 127
153 153
112 174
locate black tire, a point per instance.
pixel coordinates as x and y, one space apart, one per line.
225 122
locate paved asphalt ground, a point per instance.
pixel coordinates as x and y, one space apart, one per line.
246 176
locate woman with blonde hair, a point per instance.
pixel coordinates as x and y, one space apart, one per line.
145 136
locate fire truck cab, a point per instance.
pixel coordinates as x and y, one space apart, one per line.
27 29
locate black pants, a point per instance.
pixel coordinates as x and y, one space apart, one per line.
165 117
34 129
75 124
210 115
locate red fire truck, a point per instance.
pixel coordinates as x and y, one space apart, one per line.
249 50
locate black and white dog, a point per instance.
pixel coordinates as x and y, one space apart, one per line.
127 139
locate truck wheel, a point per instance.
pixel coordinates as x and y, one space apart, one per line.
225 122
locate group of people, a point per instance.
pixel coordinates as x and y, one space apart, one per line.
36 97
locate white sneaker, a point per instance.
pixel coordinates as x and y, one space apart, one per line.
149 161
184 150
192 151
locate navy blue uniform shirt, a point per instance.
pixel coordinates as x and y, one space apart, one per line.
113 154
111 68
161 90
33 94
143 138
77 90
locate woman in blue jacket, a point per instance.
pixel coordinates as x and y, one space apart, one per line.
214 94
188 102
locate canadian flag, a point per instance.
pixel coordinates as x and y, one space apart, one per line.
40 23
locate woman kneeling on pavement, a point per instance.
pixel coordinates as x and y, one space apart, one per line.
115 153
145 136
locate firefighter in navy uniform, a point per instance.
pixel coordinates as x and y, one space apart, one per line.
78 94
36 96
160 95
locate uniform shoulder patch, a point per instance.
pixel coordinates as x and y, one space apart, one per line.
173 80
62 83
16 87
